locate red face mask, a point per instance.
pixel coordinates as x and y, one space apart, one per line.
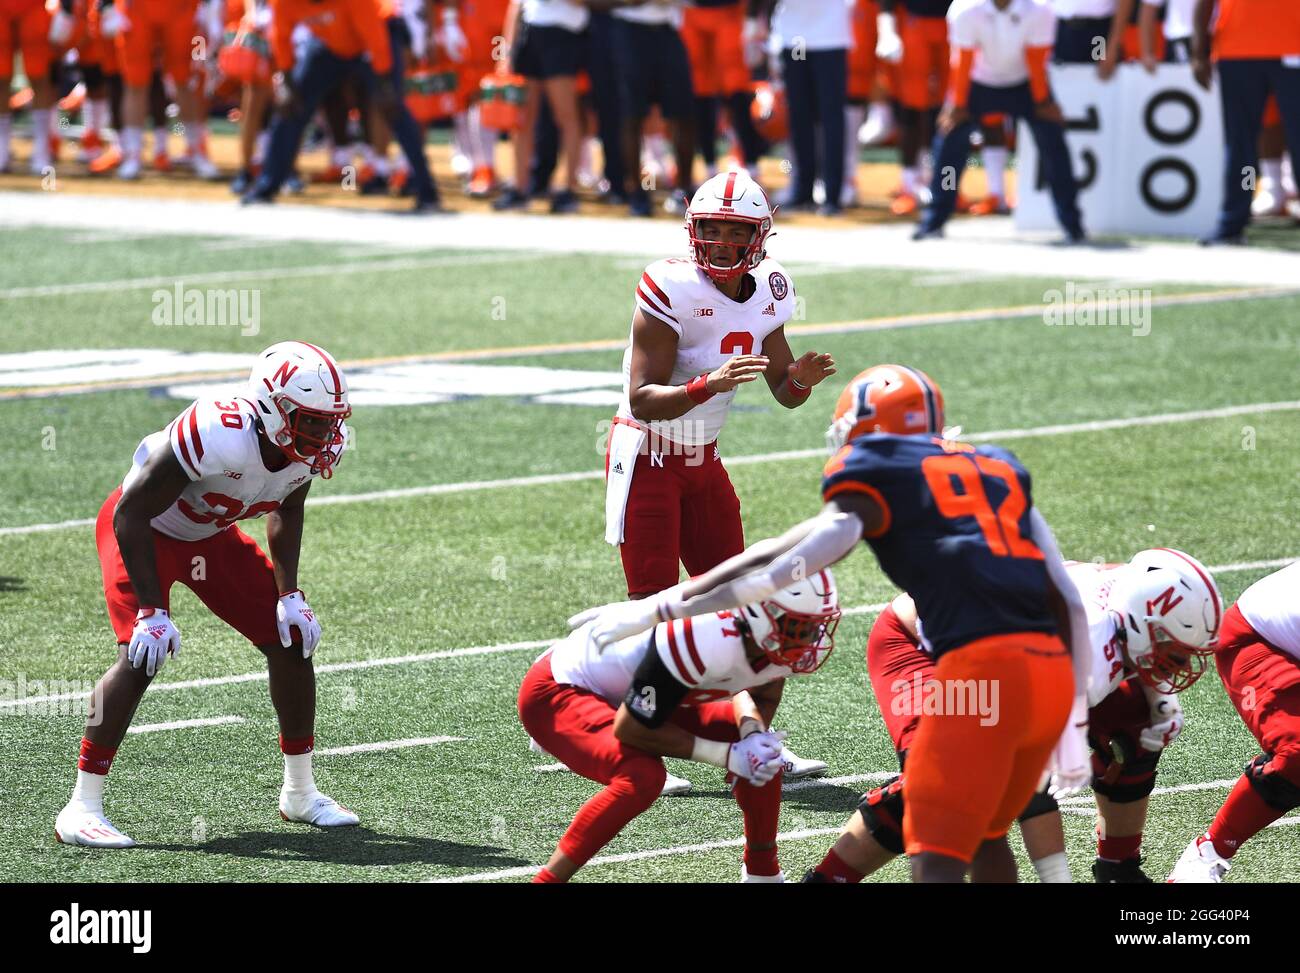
798 641
747 254
319 452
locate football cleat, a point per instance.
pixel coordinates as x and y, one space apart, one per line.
205 168
796 766
162 161
1200 864
106 161
1126 872
675 785
80 824
747 879
904 204
129 169
990 205
1269 201
313 807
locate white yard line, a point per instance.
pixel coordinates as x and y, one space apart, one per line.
546 479
185 724
418 657
387 745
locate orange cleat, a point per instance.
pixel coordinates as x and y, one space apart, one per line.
962 204
73 100
106 161
161 161
91 145
904 204
482 182
332 174
990 206
398 180
21 100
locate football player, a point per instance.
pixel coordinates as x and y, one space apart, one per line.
954 525
1152 626
25 28
701 328
1258 658
700 689
174 518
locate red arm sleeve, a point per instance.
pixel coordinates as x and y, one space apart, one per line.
374 34
1036 61
959 82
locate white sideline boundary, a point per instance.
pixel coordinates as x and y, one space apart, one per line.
400 660
547 479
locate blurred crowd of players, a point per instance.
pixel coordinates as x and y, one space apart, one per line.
613 98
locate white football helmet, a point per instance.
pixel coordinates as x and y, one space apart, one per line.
734 197
795 628
292 381
1169 609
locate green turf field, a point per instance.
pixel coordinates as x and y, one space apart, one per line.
502 565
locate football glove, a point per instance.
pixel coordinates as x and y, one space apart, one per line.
889 46
62 25
1071 760
153 638
294 612
113 22
450 37
757 758
1166 724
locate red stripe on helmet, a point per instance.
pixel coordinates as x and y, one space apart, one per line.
337 391
728 194
1214 591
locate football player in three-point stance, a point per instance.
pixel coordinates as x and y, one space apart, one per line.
701 328
1152 625
954 525
174 519
1258 658
701 689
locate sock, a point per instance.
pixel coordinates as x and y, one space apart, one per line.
1288 176
462 139
96 114
853 117
995 169
1243 815
6 125
1118 849
297 763
259 146
160 139
761 809
89 789
909 180
95 759
545 877
1053 869
637 784
132 141
1270 174
40 137
834 869
196 138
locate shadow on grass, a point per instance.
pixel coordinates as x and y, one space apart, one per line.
350 846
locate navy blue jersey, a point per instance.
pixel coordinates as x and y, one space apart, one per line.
956 535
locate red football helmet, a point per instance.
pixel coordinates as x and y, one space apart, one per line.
886 398
733 197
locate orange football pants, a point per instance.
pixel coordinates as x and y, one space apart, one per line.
23 27
922 75
972 768
714 44
164 26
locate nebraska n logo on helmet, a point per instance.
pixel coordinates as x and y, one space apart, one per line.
293 381
732 197
892 399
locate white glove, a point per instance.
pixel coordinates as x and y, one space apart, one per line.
418 28
889 46
154 637
212 20
1166 724
113 22
450 37
62 25
294 612
757 758
609 623
1071 760
754 39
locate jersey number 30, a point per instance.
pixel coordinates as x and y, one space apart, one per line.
1001 527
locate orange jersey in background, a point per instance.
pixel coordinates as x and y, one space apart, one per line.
161 31
349 28
923 71
1247 29
25 26
714 44
862 56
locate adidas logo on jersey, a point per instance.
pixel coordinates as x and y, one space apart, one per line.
770 310
618 468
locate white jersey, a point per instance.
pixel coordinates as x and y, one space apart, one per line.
1107 670
1272 607
711 329
999 37
216 443
706 654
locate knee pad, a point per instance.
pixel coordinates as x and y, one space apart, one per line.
882 810
1136 777
1276 779
1041 803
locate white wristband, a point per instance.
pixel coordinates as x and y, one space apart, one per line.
711 752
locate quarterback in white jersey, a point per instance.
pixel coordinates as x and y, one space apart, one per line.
251 453
1258 658
1152 625
701 689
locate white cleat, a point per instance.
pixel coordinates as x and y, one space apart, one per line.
796 766
129 169
536 747
205 168
1200 864
747 879
879 126
1269 201
675 785
81 824
313 807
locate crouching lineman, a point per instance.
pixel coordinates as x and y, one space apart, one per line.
955 525
173 519
701 689
1152 625
1258 658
